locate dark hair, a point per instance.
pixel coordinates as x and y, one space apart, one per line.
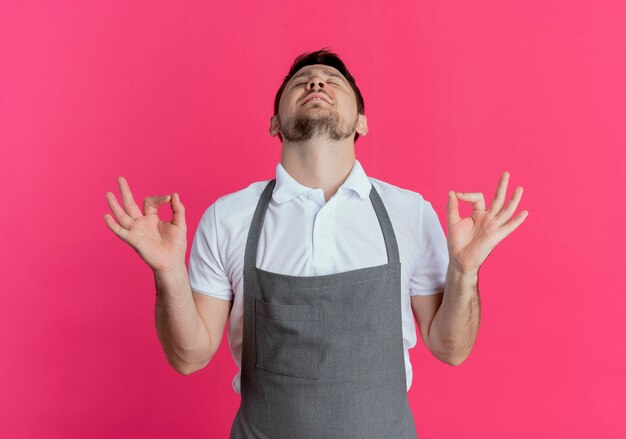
326 57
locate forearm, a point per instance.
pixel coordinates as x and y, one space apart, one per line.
180 329
455 325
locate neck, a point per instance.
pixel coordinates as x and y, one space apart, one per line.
319 163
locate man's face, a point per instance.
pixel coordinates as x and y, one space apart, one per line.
333 115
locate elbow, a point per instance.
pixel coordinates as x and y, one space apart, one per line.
455 359
188 368
450 361
450 357
185 370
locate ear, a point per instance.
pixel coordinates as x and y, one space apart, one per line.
361 126
273 126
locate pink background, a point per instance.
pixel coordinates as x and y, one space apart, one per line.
178 97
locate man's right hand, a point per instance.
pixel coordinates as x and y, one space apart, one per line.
160 244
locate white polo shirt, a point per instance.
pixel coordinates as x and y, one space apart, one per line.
304 235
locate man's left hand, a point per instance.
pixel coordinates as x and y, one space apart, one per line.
471 239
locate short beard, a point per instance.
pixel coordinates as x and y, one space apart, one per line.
327 125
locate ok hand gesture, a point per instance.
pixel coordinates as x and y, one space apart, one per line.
471 239
160 244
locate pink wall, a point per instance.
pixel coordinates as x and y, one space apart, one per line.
178 98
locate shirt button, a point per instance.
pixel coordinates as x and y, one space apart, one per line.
309 196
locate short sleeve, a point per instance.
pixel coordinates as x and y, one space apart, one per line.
206 269
429 274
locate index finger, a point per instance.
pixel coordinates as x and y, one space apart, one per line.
130 206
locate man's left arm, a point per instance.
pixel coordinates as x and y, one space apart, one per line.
454 327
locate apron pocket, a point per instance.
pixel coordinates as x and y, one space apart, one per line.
287 338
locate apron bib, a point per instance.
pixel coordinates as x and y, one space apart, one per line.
323 356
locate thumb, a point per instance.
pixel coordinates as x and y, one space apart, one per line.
151 204
178 211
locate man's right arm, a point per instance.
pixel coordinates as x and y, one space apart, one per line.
189 325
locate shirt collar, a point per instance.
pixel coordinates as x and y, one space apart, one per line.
287 188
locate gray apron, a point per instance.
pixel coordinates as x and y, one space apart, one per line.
323 356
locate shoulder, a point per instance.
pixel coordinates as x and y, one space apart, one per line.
408 210
396 197
243 198
233 210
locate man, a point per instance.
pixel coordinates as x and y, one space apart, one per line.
317 272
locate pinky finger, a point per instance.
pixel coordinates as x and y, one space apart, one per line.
514 223
120 231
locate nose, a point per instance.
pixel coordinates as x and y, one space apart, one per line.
312 84
314 81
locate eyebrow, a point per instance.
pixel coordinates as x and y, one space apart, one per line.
327 72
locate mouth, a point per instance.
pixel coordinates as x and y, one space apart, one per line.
316 98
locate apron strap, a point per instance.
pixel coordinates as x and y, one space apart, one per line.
385 224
